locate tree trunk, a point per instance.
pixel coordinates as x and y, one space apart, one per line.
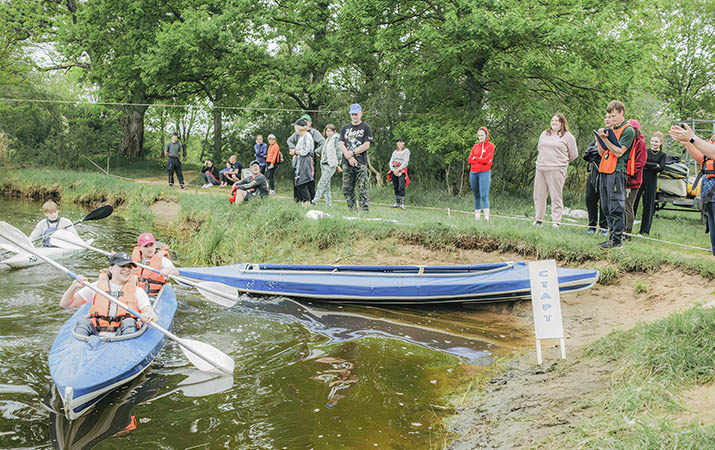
131 140
446 179
218 124
217 135
461 180
378 178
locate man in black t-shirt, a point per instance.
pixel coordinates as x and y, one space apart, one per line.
355 139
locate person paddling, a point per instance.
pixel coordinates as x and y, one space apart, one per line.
146 253
52 223
104 315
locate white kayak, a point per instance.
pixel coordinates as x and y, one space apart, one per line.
23 259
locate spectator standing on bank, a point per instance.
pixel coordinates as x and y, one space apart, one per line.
261 151
596 214
398 172
613 169
480 172
303 156
635 177
355 140
703 152
318 142
273 158
655 163
330 160
557 148
173 150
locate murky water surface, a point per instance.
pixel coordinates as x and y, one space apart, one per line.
307 375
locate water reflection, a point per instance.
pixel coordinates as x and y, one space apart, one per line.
111 417
460 332
339 377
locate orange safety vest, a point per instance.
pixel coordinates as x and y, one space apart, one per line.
99 311
610 160
148 280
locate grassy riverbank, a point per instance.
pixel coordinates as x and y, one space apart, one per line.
277 231
662 392
649 372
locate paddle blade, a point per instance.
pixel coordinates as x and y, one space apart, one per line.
66 239
99 213
227 293
13 237
220 361
202 384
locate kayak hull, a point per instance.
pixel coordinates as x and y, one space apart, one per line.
389 284
84 371
21 260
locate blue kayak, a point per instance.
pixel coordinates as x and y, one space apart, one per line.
389 284
86 369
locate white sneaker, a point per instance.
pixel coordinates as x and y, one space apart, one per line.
536 224
555 225
272 192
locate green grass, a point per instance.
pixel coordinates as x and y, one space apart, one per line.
654 362
276 230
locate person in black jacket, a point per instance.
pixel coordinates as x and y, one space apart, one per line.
210 174
595 211
653 166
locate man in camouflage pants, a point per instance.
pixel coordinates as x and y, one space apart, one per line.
355 139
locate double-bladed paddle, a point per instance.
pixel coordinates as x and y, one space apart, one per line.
204 356
99 213
216 292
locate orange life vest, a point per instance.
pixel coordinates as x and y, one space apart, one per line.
609 160
99 311
708 167
148 280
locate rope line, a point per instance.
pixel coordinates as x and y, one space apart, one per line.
169 105
449 211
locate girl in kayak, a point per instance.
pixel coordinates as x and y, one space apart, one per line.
52 223
146 253
104 315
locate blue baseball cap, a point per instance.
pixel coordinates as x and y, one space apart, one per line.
355 108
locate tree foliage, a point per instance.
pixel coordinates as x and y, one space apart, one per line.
430 71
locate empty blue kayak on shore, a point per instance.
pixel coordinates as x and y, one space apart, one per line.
389 284
85 369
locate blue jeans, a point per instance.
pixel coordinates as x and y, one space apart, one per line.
710 213
480 182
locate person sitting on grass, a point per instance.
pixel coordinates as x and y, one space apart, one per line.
210 174
233 174
104 315
52 223
250 187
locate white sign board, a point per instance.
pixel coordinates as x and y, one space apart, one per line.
546 304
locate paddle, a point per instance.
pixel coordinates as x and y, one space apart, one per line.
204 356
215 292
99 213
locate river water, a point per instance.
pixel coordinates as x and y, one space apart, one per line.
307 375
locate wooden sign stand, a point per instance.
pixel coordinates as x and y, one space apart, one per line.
546 305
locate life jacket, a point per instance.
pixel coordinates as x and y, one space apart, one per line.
148 280
708 167
99 311
49 231
609 160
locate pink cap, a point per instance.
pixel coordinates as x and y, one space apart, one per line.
635 124
145 238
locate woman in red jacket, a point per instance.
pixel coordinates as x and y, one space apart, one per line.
480 174
634 181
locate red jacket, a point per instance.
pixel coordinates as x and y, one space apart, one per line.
634 181
482 155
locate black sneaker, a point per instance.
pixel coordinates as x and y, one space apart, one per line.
611 244
626 238
183 187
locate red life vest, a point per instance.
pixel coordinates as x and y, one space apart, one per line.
151 282
99 311
609 160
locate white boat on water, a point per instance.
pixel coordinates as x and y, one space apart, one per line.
22 259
